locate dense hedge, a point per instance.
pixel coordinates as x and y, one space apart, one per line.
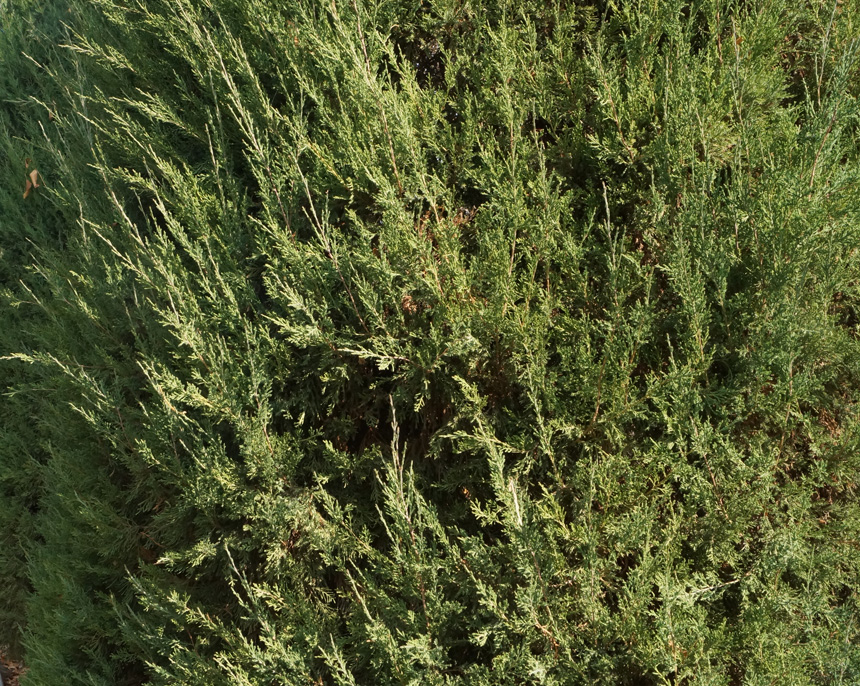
463 341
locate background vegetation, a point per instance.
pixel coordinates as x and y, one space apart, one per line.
463 341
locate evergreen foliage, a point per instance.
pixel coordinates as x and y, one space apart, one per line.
464 341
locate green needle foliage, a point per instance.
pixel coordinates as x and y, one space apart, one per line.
453 342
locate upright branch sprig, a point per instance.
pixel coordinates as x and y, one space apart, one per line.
372 85
330 250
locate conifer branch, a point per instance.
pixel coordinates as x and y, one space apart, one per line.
370 83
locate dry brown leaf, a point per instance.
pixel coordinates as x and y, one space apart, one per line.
32 181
